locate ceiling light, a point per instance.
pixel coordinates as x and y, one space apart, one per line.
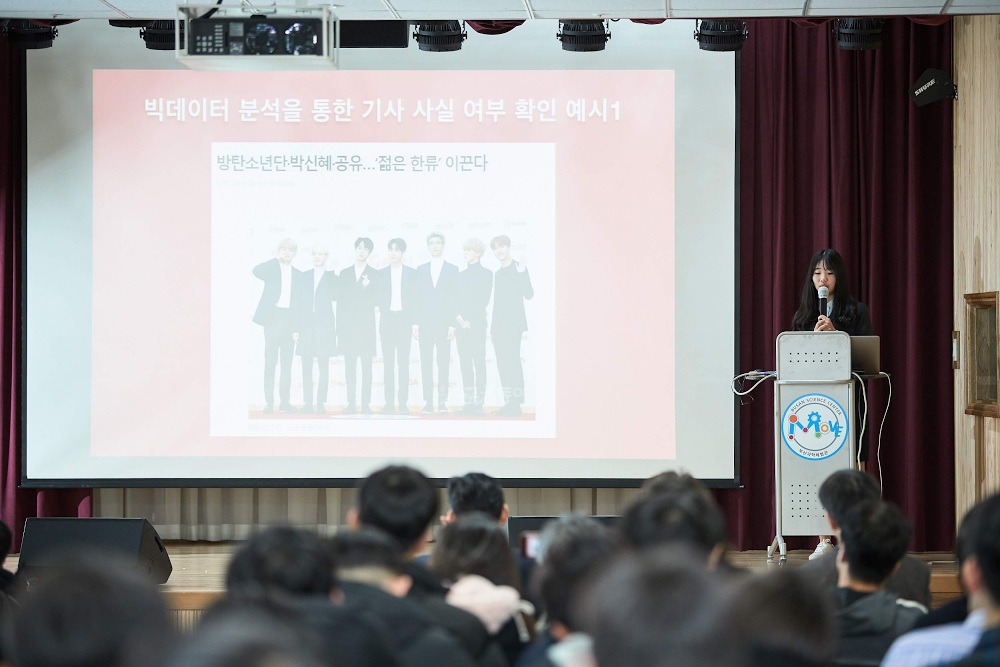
720 34
578 35
858 34
27 35
160 35
439 36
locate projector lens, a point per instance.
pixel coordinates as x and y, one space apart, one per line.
300 40
261 39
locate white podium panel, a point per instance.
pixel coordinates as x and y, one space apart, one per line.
814 427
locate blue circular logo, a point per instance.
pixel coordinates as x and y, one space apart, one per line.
814 427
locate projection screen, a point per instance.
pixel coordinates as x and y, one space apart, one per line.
510 259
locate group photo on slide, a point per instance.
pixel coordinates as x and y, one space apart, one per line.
380 310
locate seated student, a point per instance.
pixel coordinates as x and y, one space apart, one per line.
940 642
981 576
370 575
6 542
874 536
660 608
474 558
477 492
575 548
244 637
841 491
789 620
676 518
402 503
91 615
288 573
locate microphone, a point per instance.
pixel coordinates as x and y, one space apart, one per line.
824 294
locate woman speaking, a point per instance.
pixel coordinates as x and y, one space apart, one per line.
843 313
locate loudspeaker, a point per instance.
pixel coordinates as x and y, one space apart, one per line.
130 544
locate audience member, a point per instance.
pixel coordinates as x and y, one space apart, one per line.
244 637
874 536
288 573
90 615
575 548
660 608
473 556
689 518
788 619
402 502
938 643
840 492
370 575
981 575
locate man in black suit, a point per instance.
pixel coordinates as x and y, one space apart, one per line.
400 295
317 328
435 322
513 286
474 288
274 313
357 298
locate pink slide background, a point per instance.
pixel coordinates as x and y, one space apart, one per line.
614 239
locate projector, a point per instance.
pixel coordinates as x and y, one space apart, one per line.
241 37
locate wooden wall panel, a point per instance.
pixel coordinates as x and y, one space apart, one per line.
977 232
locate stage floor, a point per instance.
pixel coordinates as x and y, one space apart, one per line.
199 574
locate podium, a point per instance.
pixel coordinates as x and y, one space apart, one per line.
814 429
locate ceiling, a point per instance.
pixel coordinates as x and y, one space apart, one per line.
517 9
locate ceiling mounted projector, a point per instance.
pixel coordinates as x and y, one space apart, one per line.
240 38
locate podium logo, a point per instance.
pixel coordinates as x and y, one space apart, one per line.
814 427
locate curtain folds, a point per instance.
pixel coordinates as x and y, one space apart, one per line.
834 154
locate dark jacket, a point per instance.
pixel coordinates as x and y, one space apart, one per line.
437 303
316 322
416 639
270 273
474 288
535 655
955 611
356 311
861 326
912 581
870 624
510 289
428 591
409 295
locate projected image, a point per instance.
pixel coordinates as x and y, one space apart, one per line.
416 306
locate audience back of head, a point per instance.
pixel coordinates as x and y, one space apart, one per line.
400 501
477 492
475 545
875 536
281 562
846 489
679 512
985 548
90 615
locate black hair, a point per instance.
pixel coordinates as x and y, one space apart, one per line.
476 492
670 483
572 559
986 545
845 489
475 544
845 306
245 636
366 547
400 501
875 535
660 608
6 540
90 615
281 562
399 243
788 618
687 518
367 242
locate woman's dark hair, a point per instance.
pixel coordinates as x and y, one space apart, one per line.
475 544
845 306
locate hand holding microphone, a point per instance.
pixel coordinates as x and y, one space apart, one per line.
823 322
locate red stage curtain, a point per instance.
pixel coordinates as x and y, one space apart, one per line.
17 504
834 154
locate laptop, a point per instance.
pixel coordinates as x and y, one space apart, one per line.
865 355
